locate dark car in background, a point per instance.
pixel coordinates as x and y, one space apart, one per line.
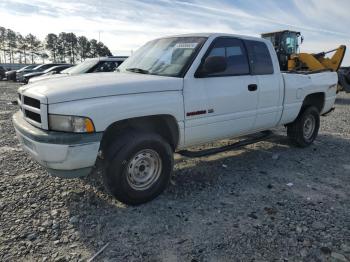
50 71
92 65
39 68
13 74
2 73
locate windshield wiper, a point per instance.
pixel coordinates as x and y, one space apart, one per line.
137 70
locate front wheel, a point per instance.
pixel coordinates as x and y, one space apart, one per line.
139 167
304 130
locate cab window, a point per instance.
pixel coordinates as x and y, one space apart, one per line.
233 51
259 58
105 66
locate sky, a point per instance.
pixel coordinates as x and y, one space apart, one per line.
124 25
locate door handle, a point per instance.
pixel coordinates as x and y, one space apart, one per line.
252 87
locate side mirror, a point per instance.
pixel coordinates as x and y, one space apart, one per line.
212 65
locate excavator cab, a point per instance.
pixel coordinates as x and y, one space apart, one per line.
286 43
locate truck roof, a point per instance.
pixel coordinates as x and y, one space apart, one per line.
108 58
214 35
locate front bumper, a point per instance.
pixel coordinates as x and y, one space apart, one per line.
62 154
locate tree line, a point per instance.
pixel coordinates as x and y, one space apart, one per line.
64 47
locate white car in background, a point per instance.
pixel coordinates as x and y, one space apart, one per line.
92 65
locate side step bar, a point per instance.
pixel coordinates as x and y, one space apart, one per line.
254 139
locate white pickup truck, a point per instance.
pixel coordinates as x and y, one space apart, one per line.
173 93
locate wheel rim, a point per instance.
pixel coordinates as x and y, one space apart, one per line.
144 169
309 126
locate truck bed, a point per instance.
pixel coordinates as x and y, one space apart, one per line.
297 86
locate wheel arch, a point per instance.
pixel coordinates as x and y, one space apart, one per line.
164 125
314 99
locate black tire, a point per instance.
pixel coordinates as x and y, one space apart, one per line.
297 130
118 157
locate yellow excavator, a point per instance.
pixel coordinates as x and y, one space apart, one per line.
286 44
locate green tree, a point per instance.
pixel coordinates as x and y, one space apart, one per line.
3 42
83 47
93 48
72 44
11 40
59 48
103 50
62 46
22 48
51 45
33 45
98 49
44 56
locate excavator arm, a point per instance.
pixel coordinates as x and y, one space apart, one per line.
317 62
335 61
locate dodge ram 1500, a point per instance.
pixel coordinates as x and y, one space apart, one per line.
173 93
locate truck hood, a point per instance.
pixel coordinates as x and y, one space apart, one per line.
46 77
94 85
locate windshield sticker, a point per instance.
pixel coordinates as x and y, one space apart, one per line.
186 45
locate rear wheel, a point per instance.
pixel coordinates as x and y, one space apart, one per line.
139 167
304 130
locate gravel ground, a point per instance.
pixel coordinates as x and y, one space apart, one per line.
265 202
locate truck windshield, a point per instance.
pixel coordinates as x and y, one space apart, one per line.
81 68
27 68
164 57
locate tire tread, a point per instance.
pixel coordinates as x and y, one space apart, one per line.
295 129
115 158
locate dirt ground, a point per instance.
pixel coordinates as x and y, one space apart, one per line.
265 202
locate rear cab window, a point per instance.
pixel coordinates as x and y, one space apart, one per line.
259 58
44 67
105 66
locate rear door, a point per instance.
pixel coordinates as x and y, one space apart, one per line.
270 84
223 104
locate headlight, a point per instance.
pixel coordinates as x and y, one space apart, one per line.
76 124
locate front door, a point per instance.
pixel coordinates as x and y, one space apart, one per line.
223 104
